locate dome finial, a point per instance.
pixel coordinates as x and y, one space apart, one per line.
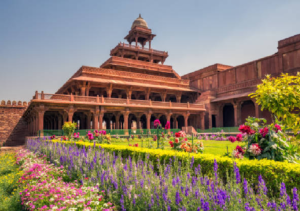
140 15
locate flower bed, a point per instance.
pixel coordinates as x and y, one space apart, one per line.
177 184
273 172
45 188
9 176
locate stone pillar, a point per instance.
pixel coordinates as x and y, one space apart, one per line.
148 116
70 116
101 120
186 118
237 114
59 123
178 98
96 118
118 121
202 120
82 89
109 90
257 110
126 115
88 121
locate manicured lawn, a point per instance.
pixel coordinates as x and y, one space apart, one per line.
210 146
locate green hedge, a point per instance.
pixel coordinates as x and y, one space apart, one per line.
272 172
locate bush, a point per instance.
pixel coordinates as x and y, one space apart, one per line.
272 172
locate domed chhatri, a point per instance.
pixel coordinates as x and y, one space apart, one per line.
139 22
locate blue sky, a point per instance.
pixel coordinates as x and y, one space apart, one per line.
42 43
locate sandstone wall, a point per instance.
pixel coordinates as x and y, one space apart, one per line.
13 128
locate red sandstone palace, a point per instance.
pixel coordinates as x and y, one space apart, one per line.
134 85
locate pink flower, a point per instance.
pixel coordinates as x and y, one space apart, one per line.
239 137
264 131
103 132
167 126
277 128
255 149
232 139
156 123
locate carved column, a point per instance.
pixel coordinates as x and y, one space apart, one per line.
163 96
257 110
71 112
138 118
129 93
186 118
202 120
59 122
149 119
147 94
101 119
178 98
126 115
118 121
109 90
96 118
237 113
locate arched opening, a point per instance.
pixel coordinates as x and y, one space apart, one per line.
142 97
185 99
52 120
143 121
192 121
109 121
172 123
152 120
132 121
81 119
213 120
163 120
247 109
180 121
228 115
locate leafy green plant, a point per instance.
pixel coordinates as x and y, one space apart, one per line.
267 141
69 128
281 96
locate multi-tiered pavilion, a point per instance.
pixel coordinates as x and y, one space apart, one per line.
131 89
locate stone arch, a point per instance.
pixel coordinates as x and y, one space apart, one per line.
132 121
228 115
109 119
52 120
163 120
81 119
247 109
143 120
180 120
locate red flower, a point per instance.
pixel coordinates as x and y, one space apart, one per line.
264 131
86 178
239 137
232 139
167 126
176 140
100 199
136 145
177 135
156 123
240 149
171 144
246 129
277 128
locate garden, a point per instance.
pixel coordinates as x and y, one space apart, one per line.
257 169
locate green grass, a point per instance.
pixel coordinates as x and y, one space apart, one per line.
210 146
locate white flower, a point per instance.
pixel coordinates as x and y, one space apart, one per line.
274 146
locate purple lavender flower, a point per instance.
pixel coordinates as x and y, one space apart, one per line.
177 198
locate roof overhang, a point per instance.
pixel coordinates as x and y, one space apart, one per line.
229 97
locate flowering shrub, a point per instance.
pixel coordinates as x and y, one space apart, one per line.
274 172
69 128
238 152
167 126
217 137
267 141
181 143
46 190
134 184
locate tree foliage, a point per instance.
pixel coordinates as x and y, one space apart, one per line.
281 96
